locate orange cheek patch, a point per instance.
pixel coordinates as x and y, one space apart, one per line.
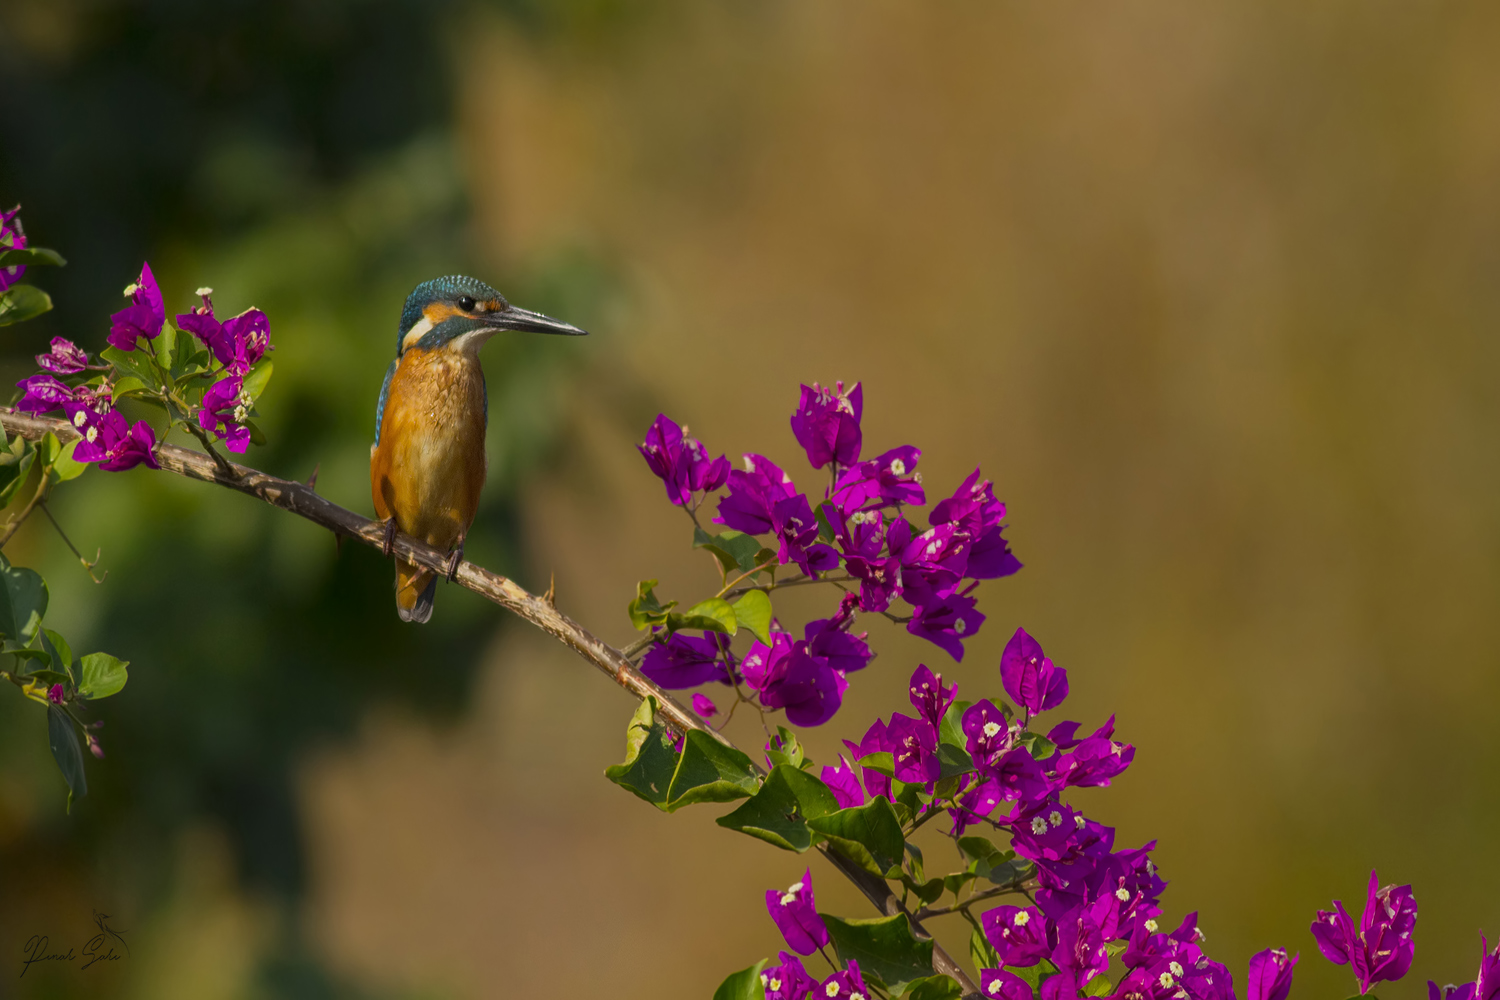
436 312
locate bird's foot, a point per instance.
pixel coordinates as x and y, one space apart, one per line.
454 558
388 545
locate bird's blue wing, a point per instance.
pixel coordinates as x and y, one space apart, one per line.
385 391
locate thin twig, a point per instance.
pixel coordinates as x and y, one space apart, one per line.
750 572
938 911
88 566
41 491
302 501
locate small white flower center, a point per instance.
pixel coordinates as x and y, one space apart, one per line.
1151 926
205 290
991 729
1022 919
832 990
1166 980
79 418
995 988
1056 818
1079 821
898 467
1176 968
1121 894
959 626
93 433
131 289
1038 825
775 984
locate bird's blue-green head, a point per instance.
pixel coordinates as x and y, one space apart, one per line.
459 311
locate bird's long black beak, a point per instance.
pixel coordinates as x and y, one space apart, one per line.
526 321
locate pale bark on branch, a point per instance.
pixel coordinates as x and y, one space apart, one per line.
303 500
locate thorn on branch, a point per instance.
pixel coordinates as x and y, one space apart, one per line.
550 597
312 480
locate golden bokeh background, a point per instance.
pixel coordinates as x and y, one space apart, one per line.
1211 293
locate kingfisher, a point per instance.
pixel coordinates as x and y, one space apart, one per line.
427 464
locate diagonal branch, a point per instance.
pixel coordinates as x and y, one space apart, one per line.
300 499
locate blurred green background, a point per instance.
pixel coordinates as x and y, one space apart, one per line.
1211 292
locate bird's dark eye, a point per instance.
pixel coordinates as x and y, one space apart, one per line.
466 304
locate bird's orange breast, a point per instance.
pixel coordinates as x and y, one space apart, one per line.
429 467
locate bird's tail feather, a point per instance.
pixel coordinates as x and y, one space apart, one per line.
416 588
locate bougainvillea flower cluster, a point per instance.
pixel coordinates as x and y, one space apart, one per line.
89 404
104 434
863 535
237 344
12 237
681 462
1381 949
1087 902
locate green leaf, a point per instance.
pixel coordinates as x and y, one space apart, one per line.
885 947
957 881
31 257
1034 975
15 462
1041 748
735 550
786 749
710 771
712 615
778 813
25 656
869 835
977 848
46 678
882 761
825 521
188 362
1116 948
910 798
1099 986
166 348
743 985
982 953
23 302
63 739
705 771
955 761
934 988
59 459
257 436
23 602
951 729
646 610
255 382
753 611
650 760
136 362
103 675
928 892
59 651
128 385
915 853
